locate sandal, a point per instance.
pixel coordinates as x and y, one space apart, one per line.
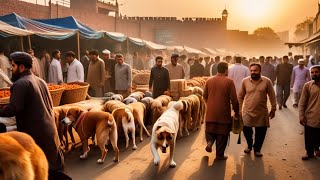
247 150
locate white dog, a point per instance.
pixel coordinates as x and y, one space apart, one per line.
164 132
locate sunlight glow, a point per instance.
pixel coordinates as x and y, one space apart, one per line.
255 9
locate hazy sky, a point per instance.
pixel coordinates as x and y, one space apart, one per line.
244 15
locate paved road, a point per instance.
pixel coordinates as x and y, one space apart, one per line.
282 151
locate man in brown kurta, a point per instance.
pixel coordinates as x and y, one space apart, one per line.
253 98
309 114
32 106
218 115
96 74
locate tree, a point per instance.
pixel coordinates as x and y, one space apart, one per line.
302 29
266 34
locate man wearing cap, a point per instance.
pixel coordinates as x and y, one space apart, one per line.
300 75
75 69
30 102
96 74
109 68
175 70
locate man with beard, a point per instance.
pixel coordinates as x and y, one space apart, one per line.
32 106
175 70
55 70
96 74
253 102
123 76
309 114
159 79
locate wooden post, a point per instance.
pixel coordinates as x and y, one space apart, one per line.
29 42
21 43
78 43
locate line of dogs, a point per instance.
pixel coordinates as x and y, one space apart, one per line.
170 119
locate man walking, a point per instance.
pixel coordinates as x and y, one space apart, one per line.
213 68
123 75
300 75
283 75
238 72
253 97
96 72
309 114
159 79
75 69
268 70
175 70
218 115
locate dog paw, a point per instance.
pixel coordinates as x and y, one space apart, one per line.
134 147
156 161
173 164
100 161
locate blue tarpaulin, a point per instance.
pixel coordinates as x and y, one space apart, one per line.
72 23
38 28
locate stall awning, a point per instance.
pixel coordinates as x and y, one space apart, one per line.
155 46
38 28
7 30
73 24
116 36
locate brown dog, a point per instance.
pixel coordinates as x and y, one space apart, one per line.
21 158
139 112
191 111
60 113
100 123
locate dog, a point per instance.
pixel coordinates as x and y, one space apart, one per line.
60 112
148 117
117 97
21 158
139 112
129 100
190 114
124 117
110 106
164 132
137 95
87 123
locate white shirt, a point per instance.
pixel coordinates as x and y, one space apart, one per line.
55 72
75 72
237 72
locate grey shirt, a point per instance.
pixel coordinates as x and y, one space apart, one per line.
123 76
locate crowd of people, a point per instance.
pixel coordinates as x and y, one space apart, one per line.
247 85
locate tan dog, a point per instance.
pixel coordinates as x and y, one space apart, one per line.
21 158
191 111
139 112
110 106
100 123
124 118
60 113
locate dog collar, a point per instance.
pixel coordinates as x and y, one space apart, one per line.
78 122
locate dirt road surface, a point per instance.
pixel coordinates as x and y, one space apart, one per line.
282 149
